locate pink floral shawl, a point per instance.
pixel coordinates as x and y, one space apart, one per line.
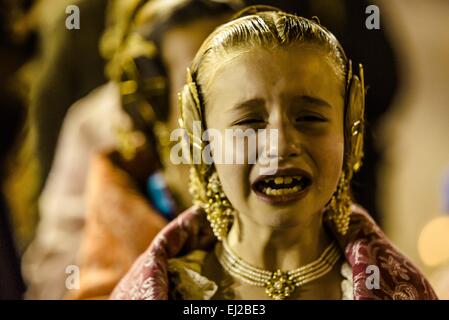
364 245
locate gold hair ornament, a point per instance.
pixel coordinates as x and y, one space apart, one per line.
340 203
205 185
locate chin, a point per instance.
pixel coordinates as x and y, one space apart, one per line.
282 217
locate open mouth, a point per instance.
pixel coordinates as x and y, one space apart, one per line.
285 186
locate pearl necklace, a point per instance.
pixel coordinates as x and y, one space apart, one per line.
278 284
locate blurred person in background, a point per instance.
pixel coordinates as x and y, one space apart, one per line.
45 254
127 119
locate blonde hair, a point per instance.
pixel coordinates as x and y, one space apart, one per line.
268 29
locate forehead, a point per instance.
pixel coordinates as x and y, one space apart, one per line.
271 73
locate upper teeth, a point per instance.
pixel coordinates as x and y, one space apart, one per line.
282 180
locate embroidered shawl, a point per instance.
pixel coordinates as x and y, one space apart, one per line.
364 245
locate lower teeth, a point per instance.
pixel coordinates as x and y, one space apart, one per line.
280 192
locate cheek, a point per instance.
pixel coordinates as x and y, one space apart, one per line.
234 180
328 156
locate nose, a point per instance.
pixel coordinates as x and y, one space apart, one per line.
288 144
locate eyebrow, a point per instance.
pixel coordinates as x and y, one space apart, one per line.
312 100
258 102
251 103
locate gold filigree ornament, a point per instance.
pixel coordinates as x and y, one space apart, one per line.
220 212
278 284
340 203
205 186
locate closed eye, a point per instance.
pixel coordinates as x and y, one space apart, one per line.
248 121
311 118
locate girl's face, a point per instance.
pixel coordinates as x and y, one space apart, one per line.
299 92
